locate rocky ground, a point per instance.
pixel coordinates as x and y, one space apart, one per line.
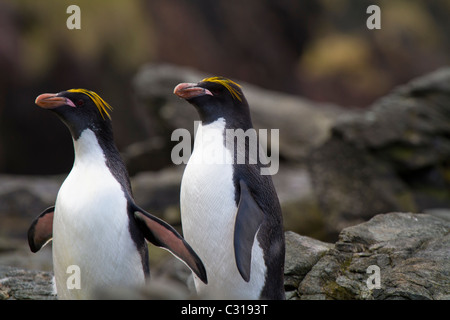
341 170
409 252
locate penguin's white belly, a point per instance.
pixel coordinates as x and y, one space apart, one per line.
208 211
92 246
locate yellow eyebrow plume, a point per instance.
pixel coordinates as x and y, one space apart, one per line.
227 84
101 104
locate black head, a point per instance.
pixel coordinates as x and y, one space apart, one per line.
217 97
79 109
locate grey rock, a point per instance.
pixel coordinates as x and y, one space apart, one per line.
410 250
302 253
352 186
20 284
22 198
20 194
422 107
391 157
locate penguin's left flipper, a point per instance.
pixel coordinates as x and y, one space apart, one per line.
248 220
41 230
163 235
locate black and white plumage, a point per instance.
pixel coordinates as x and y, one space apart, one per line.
95 223
230 212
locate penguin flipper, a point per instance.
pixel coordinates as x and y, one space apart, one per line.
41 230
161 234
248 220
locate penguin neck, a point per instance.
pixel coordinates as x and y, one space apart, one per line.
229 122
209 133
94 149
89 148
236 117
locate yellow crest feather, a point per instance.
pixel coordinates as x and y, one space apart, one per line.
101 104
227 84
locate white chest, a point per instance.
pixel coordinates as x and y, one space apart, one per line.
208 212
207 191
90 227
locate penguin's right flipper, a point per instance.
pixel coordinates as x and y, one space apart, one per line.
163 235
41 230
248 220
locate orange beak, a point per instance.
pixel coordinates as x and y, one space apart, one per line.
51 101
190 90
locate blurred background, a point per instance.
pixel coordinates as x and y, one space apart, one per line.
320 50
299 60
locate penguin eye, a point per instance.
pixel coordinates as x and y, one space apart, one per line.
216 91
80 103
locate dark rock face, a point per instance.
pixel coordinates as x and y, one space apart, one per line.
392 157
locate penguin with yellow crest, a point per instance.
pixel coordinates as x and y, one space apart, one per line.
95 224
230 212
